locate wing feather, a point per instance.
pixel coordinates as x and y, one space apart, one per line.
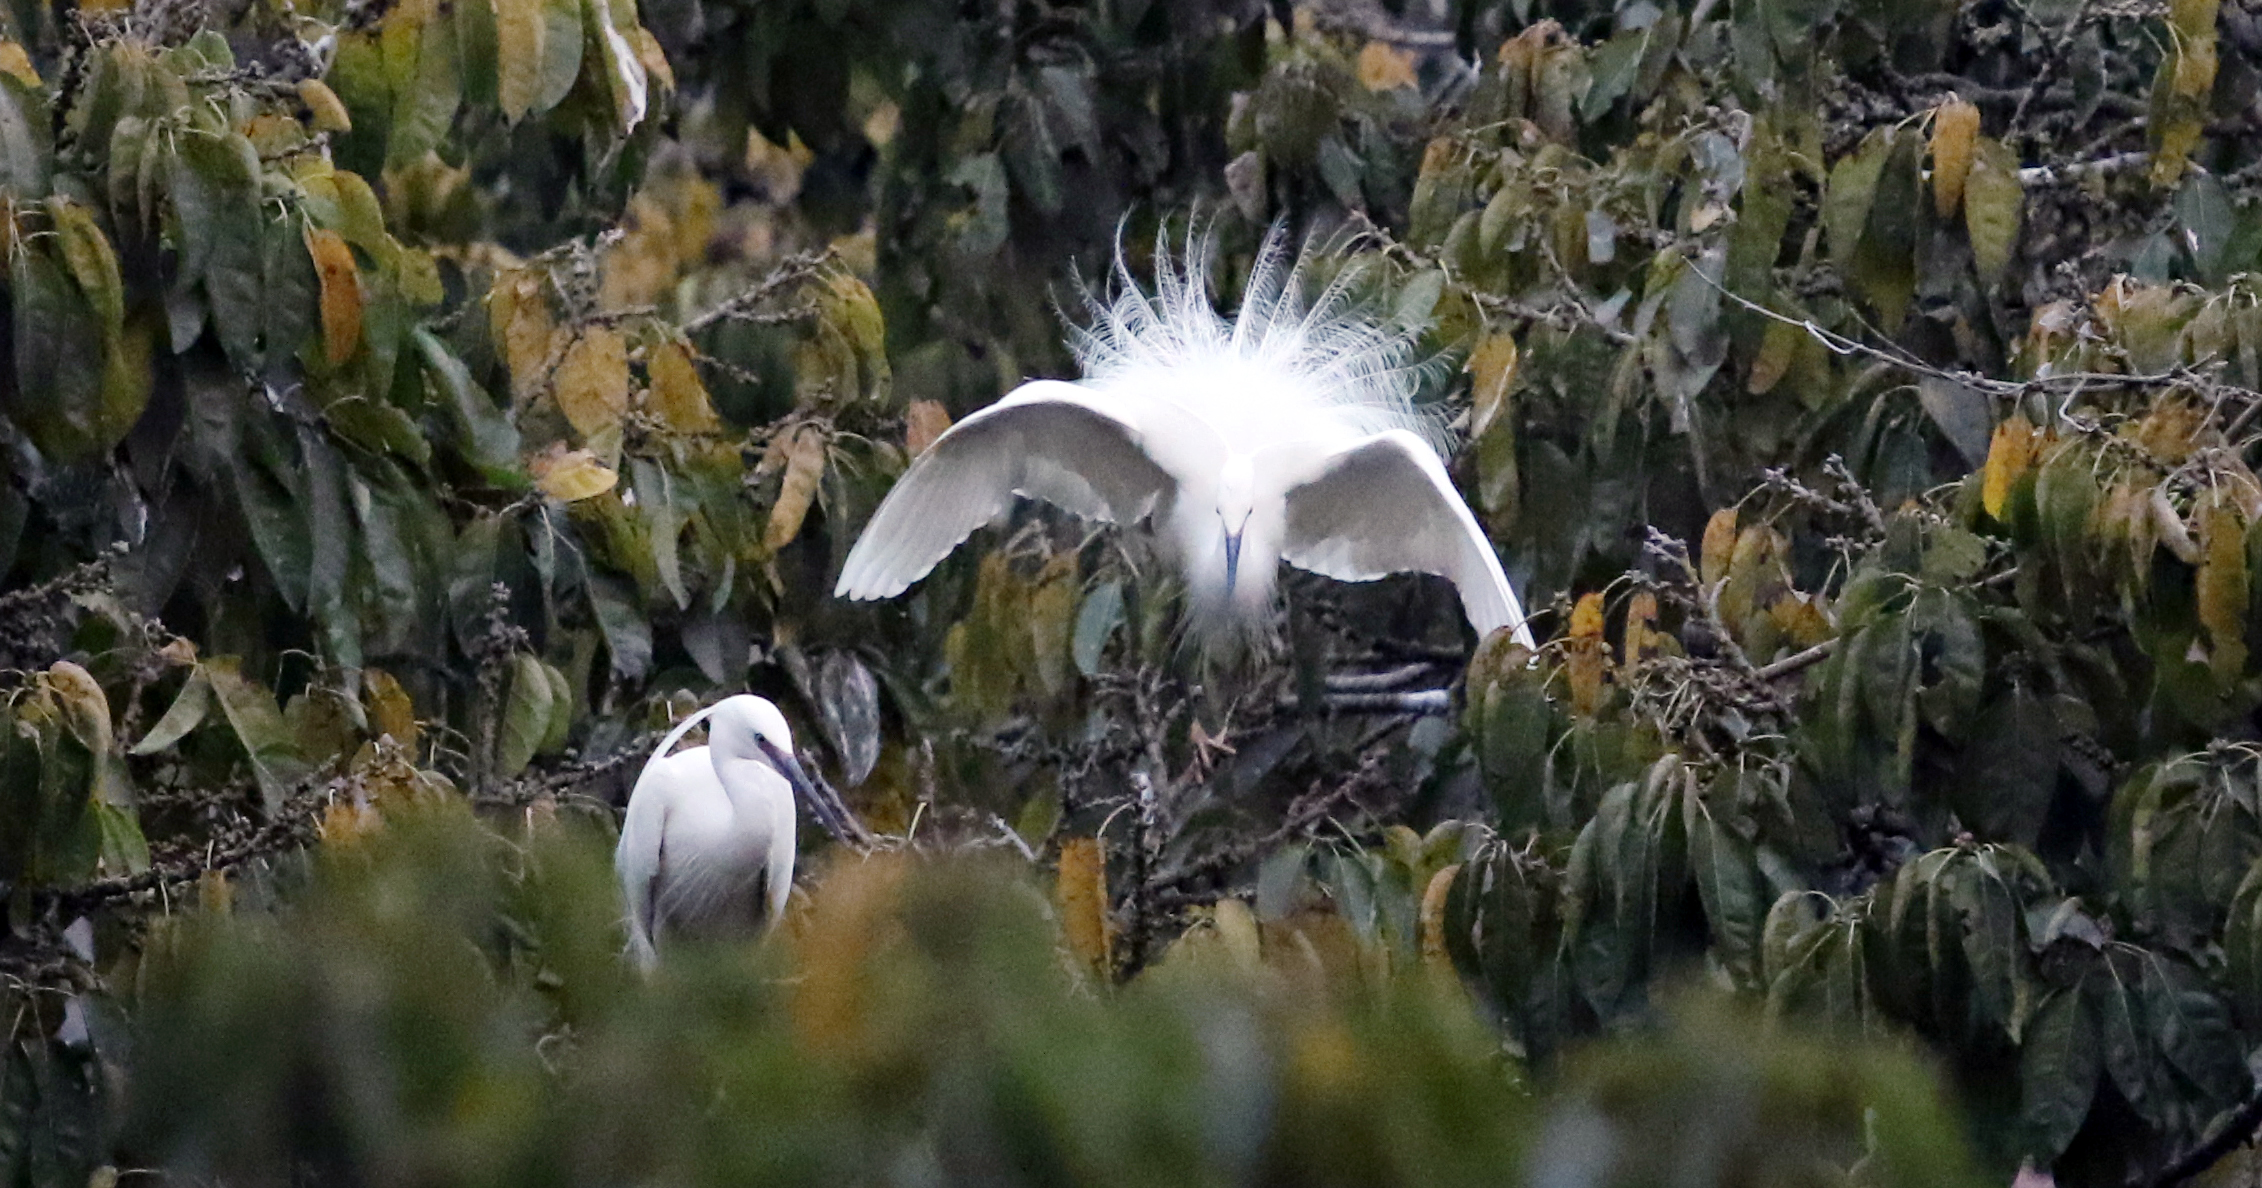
1385 505
1084 451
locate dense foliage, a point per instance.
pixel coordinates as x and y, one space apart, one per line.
417 404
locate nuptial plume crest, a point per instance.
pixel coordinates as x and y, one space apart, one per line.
1285 433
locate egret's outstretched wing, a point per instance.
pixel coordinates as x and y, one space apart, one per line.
1386 505
1082 450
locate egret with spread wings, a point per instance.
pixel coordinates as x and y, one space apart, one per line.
1288 433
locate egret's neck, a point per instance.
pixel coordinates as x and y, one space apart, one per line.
742 779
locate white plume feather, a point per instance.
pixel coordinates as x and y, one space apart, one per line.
1287 357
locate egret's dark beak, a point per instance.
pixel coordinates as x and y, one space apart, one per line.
1232 560
824 803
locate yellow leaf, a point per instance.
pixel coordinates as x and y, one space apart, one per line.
654 58
592 385
1052 620
324 109
1237 928
923 422
341 294
519 36
804 465
571 475
1955 132
1801 620
2223 588
1641 630
1778 347
1080 891
1584 655
86 251
346 822
1492 366
391 711
679 399
85 710
518 319
1719 545
1432 922
214 894
15 63
2009 456
1383 67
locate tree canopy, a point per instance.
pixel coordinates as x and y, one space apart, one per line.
415 406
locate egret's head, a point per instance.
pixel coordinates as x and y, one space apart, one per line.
746 727
1236 501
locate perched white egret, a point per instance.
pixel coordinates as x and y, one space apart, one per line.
1287 434
706 847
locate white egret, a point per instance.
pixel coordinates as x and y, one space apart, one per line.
1287 434
706 846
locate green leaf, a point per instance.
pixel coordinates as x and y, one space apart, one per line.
2059 1064
1851 192
561 711
1994 206
1096 620
526 716
627 633
59 358
2009 772
2203 209
272 508
26 152
294 296
259 726
185 714
220 225
123 848
561 51
427 86
1728 885
484 434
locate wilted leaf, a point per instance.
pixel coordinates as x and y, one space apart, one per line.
324 110
678 396
391 711
1384 67
16 64
592 387
1492 368
571 475
2010 454
2223 588
341 293
1584 659
923 423
1955 129
1080 891
1719 546
804 464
